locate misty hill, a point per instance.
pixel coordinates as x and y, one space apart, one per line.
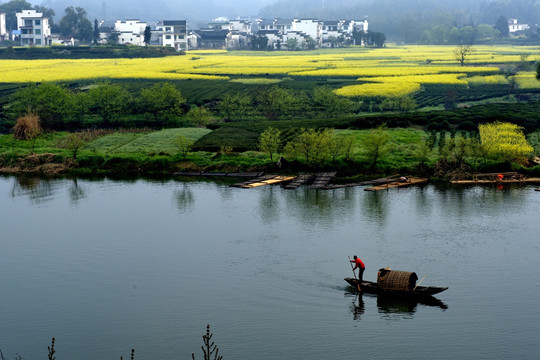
201 10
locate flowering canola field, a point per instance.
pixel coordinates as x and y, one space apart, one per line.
391 71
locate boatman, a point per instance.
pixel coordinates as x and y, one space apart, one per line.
358 264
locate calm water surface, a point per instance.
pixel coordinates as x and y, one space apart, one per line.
105 266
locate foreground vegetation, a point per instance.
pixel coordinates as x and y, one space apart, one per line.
354 153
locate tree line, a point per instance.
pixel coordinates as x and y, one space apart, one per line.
109 104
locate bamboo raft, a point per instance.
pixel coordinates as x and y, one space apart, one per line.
263 180
494 178
397 184
302 179
322 179
373 182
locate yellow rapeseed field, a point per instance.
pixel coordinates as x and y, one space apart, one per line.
390 71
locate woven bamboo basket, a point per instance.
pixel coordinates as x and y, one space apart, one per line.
396 280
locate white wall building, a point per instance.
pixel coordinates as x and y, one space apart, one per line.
514 26
3 31
175 34
130 31
241 26
34 28
310 27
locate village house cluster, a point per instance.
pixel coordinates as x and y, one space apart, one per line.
33 29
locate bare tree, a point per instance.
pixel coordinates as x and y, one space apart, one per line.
462 52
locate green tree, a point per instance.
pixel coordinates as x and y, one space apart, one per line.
309 43
200 115
399 103
161 102
51 102
292 44
502 25
73 142
95 38
485 32
74 23
375 145
236 106
147 35
270 141
310 144
327 101
438 34
538 70
277 101
108 100
454 35
184 145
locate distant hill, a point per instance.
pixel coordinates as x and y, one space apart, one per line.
202 10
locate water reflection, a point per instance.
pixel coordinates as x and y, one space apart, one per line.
269 205
76 192
374 206
391 307
184 199
314 206
38 190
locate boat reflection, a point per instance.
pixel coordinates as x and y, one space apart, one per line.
391 305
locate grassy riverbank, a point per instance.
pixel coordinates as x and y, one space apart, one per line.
406 151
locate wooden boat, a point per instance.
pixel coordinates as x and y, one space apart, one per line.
372 288
395 282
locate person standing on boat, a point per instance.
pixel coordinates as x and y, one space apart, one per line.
358 264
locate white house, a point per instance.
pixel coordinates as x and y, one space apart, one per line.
3 31
34 28
174 34
310 27
130 31
241 26
514 26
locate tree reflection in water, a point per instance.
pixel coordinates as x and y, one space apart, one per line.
76 192
184 199
38 190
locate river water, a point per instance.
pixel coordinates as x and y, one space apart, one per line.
106 265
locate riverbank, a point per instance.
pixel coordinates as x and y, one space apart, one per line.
137 152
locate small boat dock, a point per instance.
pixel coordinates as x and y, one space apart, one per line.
397 183
263 180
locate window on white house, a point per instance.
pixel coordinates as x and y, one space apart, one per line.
168 37
38 22
38 31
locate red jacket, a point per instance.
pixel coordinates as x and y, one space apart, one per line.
359 263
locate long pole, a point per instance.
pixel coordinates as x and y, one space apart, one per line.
352 268
419 283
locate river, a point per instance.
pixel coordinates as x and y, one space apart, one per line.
107 265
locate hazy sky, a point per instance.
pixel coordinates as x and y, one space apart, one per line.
150 10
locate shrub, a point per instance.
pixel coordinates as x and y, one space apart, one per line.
27 127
